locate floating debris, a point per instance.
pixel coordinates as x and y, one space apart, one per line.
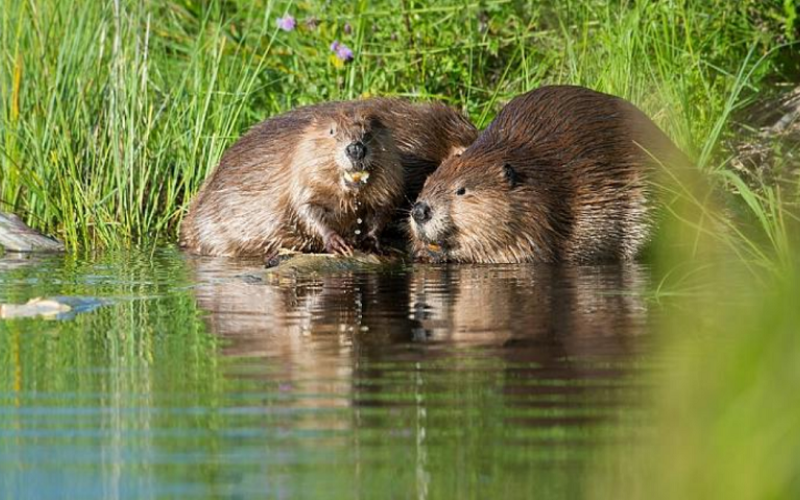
50 307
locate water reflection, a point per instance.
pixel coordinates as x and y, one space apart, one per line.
204 377
513 366
541 314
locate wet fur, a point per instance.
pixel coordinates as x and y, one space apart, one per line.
426 135
562 174
257 200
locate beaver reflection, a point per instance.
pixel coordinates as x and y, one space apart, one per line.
563 320
565 307
320 328
313 325
562 311
396 352
564 335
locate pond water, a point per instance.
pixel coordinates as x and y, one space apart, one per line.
203 378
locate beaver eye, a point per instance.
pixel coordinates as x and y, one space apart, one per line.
331 131
460 191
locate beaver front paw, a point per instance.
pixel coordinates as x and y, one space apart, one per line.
335 244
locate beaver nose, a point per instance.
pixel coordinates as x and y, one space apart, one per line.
356 151
421 212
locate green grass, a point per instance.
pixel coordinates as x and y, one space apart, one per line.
112 113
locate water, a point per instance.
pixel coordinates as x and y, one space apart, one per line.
202 378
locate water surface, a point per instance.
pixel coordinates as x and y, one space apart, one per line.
204 378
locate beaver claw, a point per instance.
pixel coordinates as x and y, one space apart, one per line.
335 244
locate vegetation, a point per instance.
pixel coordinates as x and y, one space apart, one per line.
722 425
112 113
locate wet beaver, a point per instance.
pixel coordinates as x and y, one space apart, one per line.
326 177
562 174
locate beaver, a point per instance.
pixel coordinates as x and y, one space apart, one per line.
326 177
561 175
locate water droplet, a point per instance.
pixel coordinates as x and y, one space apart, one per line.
359 220
358 231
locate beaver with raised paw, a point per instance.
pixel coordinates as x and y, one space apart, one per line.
327 177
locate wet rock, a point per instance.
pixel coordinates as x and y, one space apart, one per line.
15 236
292 264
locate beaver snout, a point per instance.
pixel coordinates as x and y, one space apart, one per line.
356 151
421 212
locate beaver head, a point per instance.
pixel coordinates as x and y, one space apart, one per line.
359 142
477 208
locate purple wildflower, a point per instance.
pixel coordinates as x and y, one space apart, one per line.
286 23
342 51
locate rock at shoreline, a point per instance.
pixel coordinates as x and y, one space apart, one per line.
15 236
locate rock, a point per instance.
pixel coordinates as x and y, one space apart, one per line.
291 264
15 236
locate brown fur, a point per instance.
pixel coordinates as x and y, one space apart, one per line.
562 174
426 135
281 185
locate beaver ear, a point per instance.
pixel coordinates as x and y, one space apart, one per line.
374 122
511 175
